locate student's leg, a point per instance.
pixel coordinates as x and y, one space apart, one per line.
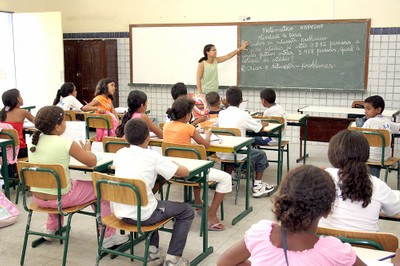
262 141
259 161
81 192
183 214
224 185
197 197
375 170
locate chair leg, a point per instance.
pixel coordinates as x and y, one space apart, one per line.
68 229
287 158
398 175
28 225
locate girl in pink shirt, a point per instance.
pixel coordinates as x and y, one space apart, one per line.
305 196
137 106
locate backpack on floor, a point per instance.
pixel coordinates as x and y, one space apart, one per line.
8 212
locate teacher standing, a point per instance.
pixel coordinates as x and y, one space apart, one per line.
207 71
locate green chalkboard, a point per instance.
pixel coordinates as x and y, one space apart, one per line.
331 55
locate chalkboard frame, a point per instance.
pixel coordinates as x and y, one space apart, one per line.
238 25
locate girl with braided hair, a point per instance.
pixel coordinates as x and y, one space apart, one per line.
137 106
305 195
50 148
360 196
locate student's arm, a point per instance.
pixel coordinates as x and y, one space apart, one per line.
93 105
233 53
199 120
199 75
235 255
153 127
29 116
199 139
114 112
83 154
396 259
89 108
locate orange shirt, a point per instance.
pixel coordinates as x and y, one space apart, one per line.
178 132
105 103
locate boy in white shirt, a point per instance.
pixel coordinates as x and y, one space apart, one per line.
268 97
374 106
139 162
233 117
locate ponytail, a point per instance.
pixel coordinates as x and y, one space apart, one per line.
206 49
119 131
58 96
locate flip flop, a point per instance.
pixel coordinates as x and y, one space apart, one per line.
216 227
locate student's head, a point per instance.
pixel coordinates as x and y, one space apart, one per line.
11 99
268 96
213 98
234 96
48 120
349 151
106 87
136 99
209 48
68 88
373 106
137 131
305 195
178 90
182 107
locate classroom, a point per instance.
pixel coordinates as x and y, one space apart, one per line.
102 23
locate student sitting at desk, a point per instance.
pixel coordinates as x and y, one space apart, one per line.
374 106
104 96
360 196
179 90
233 117
213 103
137 106
66 99
12 114
305 195
49 147
268 97
180 132
139 162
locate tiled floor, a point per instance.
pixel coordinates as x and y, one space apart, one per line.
82 247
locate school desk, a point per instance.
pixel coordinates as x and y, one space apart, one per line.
322 128
273 130
297 120
3 145
373 256
229 144
104 160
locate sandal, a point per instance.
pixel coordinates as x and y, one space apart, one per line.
216 227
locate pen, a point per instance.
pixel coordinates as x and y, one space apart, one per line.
388 257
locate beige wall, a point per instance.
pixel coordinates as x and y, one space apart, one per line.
105 15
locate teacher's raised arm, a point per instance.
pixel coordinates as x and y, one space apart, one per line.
207 71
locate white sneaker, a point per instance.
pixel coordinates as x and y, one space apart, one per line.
114 240
47 231
180 262
156 258
262 189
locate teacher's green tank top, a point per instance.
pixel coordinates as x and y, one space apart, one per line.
209 81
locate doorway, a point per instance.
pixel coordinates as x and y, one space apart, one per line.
88 61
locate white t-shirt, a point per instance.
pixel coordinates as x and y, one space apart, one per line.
352 216
70 103
276 110
380 122
233 117
144 164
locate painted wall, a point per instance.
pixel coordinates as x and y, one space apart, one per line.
106 16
